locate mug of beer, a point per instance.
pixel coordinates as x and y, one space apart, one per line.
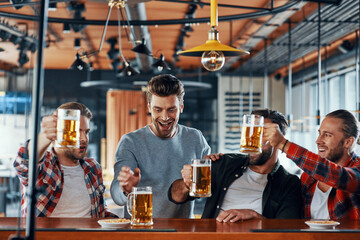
201 178
139 206
251 134
68 126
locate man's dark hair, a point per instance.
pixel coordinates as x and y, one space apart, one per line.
350 123
274 116
84 111
165 85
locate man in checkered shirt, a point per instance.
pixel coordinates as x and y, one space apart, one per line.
68 183
331 178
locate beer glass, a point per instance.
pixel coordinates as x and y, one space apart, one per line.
139 206
251 134
201 178
68 125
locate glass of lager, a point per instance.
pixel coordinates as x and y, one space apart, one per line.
251 133
68 125
201 178
139 206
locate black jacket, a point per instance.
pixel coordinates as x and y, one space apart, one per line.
281 197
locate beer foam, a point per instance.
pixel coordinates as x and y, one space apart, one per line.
143 192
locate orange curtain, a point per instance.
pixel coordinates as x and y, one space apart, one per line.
126 111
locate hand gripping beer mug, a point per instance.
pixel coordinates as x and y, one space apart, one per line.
251 134
68 125
139 206
201 178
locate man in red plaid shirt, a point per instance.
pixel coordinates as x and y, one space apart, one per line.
68 183
331 178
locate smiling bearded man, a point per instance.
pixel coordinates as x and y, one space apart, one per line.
159 150
71 184
331 178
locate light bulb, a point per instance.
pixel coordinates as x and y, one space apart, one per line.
128 72
160 68
212 60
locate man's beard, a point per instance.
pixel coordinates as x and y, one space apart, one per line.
70 153
335 154
259 160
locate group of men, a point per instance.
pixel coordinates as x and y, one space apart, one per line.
159 155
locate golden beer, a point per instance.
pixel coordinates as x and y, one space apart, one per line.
68 128
201 178
140 206
251 133
68 133
251 139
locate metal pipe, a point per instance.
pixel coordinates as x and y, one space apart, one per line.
265 75
357 91
289 101
251 88
319 67
326 84
38 85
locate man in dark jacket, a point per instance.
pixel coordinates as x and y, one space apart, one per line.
247 186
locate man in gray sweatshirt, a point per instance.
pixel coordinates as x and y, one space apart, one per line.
155 154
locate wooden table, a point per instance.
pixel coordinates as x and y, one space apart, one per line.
196 229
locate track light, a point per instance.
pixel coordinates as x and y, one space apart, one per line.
345 46
15 39
23 58
52 6
4 35
66 28
141 48
127 70
79 64
77 43
19 3
78 9
160 64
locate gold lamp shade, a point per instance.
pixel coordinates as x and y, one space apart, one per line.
213 45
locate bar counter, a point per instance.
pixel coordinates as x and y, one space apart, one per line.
206 229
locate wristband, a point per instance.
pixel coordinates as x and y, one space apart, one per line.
282 150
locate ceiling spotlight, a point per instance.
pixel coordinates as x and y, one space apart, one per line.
345 46
23 58
79 64
66 28
77 43
77 27
213 53
52 6
160 64
15 39
19 3
4 35
141 48
128 71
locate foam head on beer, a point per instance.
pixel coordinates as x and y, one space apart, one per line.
140 206
201 178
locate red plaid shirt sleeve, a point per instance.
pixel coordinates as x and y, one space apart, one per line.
344 178
344 199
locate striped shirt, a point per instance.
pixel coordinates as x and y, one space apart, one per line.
344 198
50 182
